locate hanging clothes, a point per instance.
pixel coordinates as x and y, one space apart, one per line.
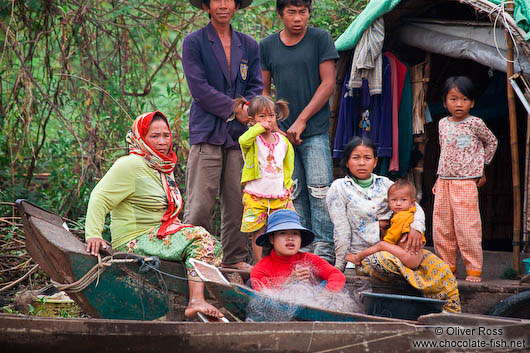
367 58
382 115
365 125
418 98
428 115
398 78
348 114
376 123
406 142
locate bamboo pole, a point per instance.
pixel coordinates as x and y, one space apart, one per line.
526 195
514 148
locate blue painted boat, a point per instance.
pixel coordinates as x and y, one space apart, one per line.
122 291
244 302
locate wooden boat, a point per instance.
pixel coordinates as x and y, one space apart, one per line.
122 292
35 334
25 334
125 290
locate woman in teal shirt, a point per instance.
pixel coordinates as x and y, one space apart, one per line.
141 194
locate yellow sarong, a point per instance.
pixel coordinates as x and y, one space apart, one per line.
433 277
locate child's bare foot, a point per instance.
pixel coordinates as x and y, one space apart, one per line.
473 279
201 306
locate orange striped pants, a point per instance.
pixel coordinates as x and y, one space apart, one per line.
457 225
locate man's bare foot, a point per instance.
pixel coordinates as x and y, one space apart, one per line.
201 306
473 279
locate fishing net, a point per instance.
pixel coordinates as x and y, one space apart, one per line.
281 303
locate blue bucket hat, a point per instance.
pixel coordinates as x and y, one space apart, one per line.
285 220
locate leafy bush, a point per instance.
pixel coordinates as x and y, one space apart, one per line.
73 75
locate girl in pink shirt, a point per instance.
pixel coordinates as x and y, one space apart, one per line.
466 145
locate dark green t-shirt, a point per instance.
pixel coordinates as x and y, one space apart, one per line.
295 73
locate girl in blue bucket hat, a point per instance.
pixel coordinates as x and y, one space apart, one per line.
286 263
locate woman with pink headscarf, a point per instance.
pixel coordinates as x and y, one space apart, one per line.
141 193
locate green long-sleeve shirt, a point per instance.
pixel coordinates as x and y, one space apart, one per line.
132 192
251 170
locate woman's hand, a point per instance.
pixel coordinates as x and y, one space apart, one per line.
302 274
353 258
413 241
94 244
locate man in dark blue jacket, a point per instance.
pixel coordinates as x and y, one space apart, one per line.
220 64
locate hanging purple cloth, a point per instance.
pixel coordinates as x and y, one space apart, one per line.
364 128
349 116
363 115
382 115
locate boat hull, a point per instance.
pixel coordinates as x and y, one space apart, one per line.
119 292
27 334
237 298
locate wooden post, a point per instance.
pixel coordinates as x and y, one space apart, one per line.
514 148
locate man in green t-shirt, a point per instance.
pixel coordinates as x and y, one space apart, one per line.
300 60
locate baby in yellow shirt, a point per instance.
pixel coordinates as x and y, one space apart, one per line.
401 200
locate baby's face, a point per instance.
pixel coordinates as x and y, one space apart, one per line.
400 199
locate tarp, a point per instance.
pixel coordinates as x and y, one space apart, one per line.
374 9
477 43
377 8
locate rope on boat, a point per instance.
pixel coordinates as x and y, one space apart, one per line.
94 273
146 264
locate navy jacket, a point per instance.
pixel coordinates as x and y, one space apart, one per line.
213 89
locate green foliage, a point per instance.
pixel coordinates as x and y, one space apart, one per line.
336 16
34 311
73 76
8 309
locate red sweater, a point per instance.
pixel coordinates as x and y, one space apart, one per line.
273 270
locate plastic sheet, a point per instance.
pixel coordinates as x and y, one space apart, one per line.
464 42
